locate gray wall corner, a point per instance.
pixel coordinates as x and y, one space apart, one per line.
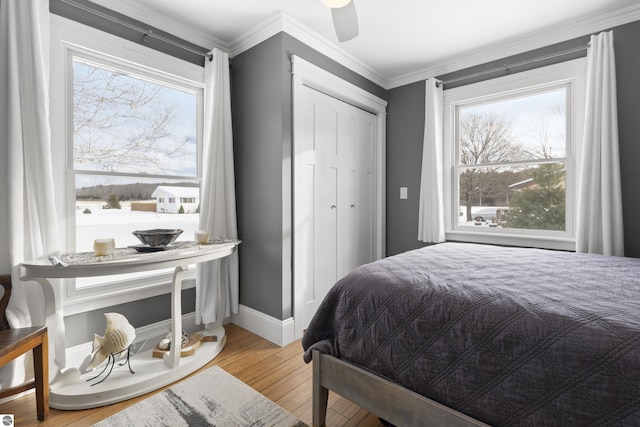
405 134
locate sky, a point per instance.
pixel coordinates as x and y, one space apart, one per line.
524 114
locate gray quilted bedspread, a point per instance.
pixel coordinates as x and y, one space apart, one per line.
509 336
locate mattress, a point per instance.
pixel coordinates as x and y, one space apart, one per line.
509 336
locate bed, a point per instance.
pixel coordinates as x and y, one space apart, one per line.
469 335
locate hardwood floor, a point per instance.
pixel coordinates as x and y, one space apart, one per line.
279 373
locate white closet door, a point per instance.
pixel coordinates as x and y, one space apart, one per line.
356 164
334 177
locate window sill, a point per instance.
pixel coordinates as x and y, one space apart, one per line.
542 241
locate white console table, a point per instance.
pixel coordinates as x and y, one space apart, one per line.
69 389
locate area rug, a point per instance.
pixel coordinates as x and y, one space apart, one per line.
211 398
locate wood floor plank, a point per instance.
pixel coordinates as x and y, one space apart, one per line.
295 398
345 407
279 373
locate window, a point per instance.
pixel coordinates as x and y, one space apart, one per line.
128 121
510 157
131 134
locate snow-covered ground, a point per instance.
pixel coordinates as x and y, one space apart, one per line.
120 223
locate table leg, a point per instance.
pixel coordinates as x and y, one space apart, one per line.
55 326
172 357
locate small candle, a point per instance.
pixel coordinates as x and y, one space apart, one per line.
202 237
102 247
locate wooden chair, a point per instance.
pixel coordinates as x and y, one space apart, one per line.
16 342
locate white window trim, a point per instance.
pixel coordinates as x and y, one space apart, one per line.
67 37
572 73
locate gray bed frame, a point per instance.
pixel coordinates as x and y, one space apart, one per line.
389 401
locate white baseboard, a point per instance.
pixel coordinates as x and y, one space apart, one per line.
279 332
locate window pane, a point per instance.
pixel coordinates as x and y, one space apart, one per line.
529 127
124 123
117 206
526 197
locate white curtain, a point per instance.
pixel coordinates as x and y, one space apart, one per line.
599 227
217 281
24 127
431 211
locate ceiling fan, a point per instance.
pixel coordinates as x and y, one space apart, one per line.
345 19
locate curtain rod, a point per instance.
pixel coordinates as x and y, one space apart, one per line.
146 33
516 64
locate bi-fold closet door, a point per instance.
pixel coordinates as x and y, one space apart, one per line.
334 194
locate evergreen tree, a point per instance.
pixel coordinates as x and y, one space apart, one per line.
113 202
541 205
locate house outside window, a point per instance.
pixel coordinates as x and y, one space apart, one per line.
134 120
511 150
186 205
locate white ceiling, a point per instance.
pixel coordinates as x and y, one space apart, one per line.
400 40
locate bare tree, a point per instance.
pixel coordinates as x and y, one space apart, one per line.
484 139
121 121
548 131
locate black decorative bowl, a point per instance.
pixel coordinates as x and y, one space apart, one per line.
157 237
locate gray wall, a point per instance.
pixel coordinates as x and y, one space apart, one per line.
404 142
262 125
404 138
258 124
627 51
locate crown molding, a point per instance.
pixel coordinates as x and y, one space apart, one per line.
279 22
256 35
164 23
301 32
523 43
282 22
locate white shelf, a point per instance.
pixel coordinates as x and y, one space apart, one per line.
69 389
150 374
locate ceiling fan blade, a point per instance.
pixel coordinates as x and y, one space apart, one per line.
345 21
